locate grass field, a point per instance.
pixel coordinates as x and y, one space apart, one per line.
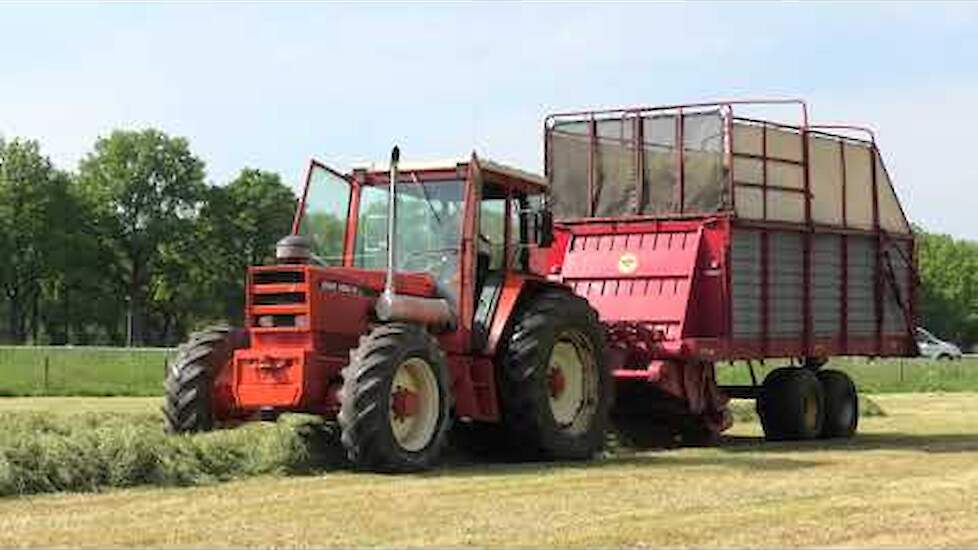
81 371
908 479
139 372
897 375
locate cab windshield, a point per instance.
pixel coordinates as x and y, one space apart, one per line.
427 235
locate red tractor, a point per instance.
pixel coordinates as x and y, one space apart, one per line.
399 317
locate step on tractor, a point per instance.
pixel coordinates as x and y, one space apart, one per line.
536 313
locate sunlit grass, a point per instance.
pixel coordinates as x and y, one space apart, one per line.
908 479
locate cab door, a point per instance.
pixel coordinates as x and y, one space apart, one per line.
323 214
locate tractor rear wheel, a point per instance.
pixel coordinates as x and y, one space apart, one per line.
556 388
791 405
396 398
841 404
196 396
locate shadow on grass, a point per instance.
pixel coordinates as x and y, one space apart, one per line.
473 467
927 443
732 452
327 454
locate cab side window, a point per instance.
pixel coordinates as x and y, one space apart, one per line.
492 228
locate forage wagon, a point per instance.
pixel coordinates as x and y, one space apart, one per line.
701 235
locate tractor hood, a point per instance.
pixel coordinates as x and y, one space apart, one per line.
304 296
371 281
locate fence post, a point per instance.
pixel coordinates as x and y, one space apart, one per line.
47 368
901 372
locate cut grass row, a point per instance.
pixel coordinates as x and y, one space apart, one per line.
44 452
26 371
85 444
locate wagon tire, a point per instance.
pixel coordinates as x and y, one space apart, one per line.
556 388
396 400
791 405
194 398
841 404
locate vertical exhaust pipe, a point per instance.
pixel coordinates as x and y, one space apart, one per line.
433 312
388 295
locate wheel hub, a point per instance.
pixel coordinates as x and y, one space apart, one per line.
414 404
404 403
570 383
557 382
810 406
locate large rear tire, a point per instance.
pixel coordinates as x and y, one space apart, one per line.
197 392
396 398
841 404
556 388
791 405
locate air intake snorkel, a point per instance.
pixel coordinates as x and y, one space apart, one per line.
391 306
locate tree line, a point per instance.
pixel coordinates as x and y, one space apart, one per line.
949 286
136 247
133 247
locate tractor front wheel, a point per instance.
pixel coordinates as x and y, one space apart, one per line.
557 391
396 398
197 393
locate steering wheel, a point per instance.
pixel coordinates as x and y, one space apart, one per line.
432 261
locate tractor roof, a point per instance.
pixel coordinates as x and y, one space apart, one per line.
485 164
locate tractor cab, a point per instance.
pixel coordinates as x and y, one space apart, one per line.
459 227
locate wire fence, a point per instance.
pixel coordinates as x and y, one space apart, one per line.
890 375
96 371
74 370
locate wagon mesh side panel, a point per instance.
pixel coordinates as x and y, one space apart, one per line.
602 157
569 153
826 285
895 298
861 283
786 279
745 283
704 176
659 165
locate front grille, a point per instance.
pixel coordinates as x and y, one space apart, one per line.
279 298
278 277
283 320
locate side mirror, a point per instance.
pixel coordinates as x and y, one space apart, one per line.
544 228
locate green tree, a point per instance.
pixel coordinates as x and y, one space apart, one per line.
31 197
145 188
81 295
238 227
949 286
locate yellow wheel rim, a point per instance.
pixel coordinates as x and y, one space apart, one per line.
572 382
414 404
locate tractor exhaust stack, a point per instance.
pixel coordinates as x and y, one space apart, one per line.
391 214
390 306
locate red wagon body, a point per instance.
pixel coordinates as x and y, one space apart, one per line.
750 240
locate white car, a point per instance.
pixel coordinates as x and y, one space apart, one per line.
933 347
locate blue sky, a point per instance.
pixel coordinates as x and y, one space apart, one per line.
268 85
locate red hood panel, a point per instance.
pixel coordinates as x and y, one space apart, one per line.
414 284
